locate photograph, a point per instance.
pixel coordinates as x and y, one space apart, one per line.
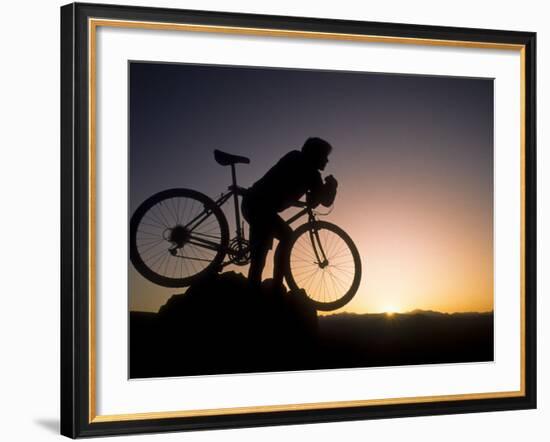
284 219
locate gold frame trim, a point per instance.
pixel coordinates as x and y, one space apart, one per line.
93 24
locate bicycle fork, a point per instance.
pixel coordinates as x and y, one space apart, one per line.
321 258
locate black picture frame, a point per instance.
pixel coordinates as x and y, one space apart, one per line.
77 405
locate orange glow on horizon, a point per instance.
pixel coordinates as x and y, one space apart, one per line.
416 253
422 247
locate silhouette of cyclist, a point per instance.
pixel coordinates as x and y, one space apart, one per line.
296 174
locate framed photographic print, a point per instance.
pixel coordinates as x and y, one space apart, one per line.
271 220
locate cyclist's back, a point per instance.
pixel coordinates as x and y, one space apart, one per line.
286 182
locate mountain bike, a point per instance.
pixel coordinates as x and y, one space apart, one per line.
180 235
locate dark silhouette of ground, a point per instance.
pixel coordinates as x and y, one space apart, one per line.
417 337
221 326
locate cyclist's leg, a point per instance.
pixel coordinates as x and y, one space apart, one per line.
258 253
258 245
283 232
264 225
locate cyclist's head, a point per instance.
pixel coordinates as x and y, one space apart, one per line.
317 150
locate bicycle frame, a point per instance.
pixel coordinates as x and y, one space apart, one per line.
234 191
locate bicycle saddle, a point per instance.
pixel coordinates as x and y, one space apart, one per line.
226 159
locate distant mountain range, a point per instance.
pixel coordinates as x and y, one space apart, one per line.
411 312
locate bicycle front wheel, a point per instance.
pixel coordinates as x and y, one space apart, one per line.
325 263
177 236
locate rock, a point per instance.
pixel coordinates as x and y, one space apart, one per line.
221 325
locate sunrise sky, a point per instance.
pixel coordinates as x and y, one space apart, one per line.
413 156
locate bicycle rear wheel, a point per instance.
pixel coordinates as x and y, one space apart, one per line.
177 236
323 261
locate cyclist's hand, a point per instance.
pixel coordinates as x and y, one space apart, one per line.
331 182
